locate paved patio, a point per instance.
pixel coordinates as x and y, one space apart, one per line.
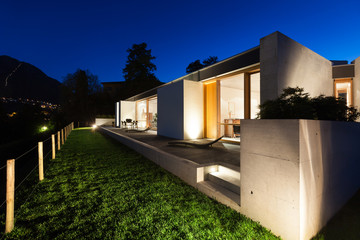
227 154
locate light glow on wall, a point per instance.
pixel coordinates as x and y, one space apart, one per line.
193 110
193 127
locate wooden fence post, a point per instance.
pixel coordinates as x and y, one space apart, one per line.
10 195
41 158
58 138
53 145
62 136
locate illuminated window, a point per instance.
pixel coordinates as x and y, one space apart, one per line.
254 94
231 106
152 115
343 90
141 113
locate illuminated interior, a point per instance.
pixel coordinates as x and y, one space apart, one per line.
254 94
231 106
343 90
226 104
146 113
141 113
152 115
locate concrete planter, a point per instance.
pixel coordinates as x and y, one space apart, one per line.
296 174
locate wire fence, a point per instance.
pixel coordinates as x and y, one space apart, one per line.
25 177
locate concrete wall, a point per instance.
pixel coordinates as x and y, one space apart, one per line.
181 167
193 110
104 121
127 110
356 83
170 110
329 171
295 178
269 167
286 63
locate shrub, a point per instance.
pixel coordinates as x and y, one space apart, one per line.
293 103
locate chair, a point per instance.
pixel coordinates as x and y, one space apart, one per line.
128 121
236 128
236 131
201 144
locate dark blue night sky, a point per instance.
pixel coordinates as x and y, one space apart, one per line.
62 36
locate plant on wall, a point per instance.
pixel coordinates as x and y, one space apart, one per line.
293 103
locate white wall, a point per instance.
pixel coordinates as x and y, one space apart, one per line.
193 110
117 114
170 110
286 63
356 84
127 110
296 174
104 121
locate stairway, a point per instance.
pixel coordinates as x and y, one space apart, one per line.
229 182
226 181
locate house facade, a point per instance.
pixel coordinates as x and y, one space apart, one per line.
295 174
211 102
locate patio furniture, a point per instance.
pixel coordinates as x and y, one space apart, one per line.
199 143
128 121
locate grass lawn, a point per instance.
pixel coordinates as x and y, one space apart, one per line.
99 189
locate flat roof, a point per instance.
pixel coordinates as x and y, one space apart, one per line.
238 61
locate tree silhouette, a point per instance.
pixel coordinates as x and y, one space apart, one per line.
139 67
139 71
79 96
194 66
210 61
197 65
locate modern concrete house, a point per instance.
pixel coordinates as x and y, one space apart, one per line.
295 174
210 103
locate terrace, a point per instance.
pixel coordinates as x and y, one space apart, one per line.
295 174
215 170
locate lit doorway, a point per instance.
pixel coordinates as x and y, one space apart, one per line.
343 90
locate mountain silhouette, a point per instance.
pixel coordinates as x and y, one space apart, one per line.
23 80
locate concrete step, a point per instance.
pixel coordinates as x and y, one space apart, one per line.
220 193
229 171
225 180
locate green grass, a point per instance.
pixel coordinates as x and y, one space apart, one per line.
99 189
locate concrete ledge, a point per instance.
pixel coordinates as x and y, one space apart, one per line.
181 167
220 194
